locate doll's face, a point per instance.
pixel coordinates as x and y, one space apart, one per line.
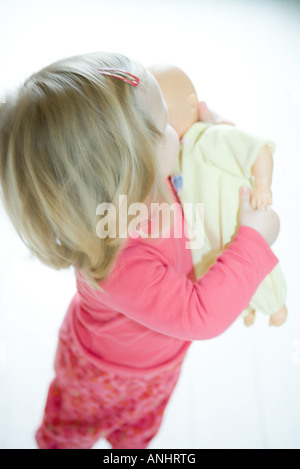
168 146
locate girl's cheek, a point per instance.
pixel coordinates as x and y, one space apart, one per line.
173 141
168 151
172 148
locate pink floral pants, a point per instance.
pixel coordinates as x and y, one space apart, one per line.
85 404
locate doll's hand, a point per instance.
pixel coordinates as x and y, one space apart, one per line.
209 116
266 222
261 198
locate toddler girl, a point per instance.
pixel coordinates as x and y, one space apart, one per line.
78 134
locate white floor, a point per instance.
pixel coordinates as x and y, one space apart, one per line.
240 390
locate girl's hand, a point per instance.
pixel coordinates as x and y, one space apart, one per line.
266 222
209 116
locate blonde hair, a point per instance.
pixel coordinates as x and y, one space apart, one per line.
70 139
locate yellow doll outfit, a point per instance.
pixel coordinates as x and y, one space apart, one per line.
215 161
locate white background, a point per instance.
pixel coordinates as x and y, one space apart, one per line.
242 389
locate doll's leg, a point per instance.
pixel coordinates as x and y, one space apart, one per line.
279 318
250 318
248 315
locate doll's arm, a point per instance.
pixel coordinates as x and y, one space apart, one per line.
209 116
262 171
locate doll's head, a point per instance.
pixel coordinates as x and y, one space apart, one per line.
180 96
72 138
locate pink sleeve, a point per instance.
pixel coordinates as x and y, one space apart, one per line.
157 296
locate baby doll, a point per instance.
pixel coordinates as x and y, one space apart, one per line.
215 161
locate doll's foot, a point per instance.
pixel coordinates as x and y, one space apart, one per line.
249 320
279 318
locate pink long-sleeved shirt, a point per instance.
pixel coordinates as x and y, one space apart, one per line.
153 308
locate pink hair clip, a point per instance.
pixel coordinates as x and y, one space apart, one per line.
120 74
